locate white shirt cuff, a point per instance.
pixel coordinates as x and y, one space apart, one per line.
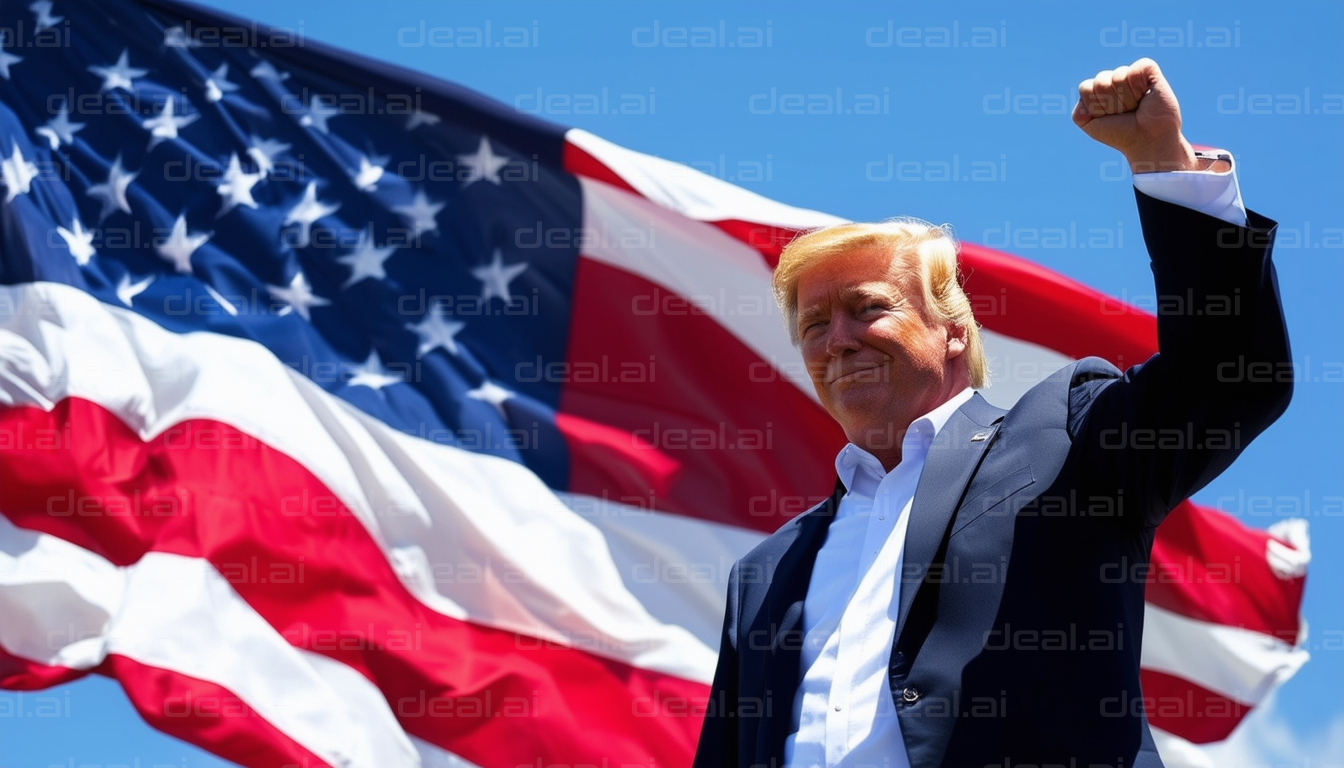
1216 194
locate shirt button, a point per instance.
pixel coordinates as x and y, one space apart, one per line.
837 707
910 695
881 517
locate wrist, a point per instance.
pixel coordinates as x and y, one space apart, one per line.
1177 155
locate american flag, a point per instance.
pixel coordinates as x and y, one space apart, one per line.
348 417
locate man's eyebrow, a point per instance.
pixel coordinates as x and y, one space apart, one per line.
869 291
812 311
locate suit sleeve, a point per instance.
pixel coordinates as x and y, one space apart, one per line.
1222 375
718 746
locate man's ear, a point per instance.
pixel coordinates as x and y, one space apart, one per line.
956 341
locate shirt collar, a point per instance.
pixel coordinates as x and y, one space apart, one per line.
852 459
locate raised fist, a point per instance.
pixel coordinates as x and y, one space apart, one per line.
1133 109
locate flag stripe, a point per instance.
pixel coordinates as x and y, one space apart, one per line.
188 648
705 270
677 566
731 440
1210 567
1177 752
212 717
1179 706
690 193
1240 664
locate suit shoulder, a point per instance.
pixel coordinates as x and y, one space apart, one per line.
1086 373
1064 397
774 545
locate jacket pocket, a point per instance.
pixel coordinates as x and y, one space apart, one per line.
993 496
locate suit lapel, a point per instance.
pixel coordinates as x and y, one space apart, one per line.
784 617
788 588
953 459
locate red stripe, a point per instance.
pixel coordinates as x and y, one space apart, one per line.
578 162
20 674
1210 567
1026 301
768 240
698 424
205 714
1180 707
204 489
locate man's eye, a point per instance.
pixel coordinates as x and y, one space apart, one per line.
874 307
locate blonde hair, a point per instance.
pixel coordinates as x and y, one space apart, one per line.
930 251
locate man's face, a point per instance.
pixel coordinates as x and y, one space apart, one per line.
877 359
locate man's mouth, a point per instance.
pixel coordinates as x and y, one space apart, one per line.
855 374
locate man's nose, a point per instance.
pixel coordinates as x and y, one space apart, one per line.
842 334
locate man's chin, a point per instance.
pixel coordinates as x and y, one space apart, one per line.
862 404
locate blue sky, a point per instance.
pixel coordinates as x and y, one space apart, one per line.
997 102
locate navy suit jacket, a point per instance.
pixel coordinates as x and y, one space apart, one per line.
1014 643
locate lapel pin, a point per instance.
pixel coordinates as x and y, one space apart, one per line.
979 437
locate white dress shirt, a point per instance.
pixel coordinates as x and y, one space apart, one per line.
843 714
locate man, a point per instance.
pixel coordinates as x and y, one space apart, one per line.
946 605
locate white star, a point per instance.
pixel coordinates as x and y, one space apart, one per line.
180 245
18 174
113 191
308 210
491 393
59 130
42 10
419 118
434 331
264 151
485 164
165 125
298 295
319 112
236 186
420 213
126 290
267 69
218 84
366 178
223 302
496 277
6 59
79 241
177 37
367 259
372 374
119 75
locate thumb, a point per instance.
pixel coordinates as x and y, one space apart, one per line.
1081 116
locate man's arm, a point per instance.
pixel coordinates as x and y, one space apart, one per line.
1223 373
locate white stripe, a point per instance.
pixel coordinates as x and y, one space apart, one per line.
1241 664
466 518
716 273
56 599
677 566
692 193
1179 753
434 757
1016 366
178 614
